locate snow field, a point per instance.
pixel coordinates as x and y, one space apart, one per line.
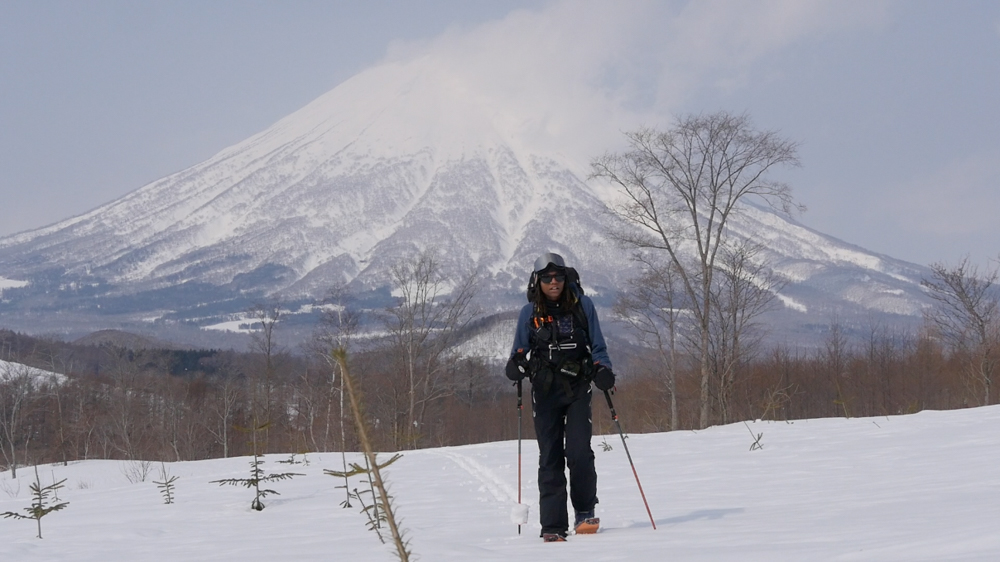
915 487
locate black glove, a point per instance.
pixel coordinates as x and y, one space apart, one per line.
517 366
604 378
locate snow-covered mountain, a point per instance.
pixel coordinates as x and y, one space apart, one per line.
403 157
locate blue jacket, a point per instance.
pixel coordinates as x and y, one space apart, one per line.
598 349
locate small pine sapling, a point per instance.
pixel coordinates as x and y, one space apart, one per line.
756 442
167 485
257 477
376 511
402 546
39 506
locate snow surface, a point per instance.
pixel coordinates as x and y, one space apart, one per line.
11 284
915 487
9 370
234 326
792 303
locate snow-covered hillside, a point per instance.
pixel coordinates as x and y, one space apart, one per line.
11 371
920 487
392 161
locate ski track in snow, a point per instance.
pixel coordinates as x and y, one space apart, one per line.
495 485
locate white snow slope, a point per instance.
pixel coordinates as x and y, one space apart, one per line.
10 371
915 487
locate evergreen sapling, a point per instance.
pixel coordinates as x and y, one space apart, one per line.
377 510
382 499
257 476
756 441
39 506
167 485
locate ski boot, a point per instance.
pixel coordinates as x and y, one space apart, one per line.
586 523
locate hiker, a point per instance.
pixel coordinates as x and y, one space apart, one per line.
558 345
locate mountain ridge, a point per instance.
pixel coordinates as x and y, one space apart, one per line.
400 159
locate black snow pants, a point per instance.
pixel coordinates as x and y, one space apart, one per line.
563 428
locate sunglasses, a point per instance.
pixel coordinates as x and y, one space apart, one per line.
549 278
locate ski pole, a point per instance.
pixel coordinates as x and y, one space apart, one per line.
519 409
614 416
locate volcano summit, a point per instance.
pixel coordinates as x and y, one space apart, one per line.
402 158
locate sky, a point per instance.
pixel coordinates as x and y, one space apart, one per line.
893 103
920 488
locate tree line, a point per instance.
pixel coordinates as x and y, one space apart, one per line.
135 409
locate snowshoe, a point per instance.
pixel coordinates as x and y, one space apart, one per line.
586 523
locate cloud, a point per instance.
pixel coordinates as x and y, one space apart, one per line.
580 72
959 199
930 217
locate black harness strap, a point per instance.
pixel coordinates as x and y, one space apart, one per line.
566 360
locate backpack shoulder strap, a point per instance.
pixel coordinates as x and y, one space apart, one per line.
581 317
573 281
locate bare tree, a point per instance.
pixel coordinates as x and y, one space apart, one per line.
58 393
266 316
652 307
228 392
17 393
884 352
680 189
337 330
127 413
834 358
224 394
777 397
745 289
967 318
423 326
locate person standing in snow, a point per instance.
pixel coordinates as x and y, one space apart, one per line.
558 345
